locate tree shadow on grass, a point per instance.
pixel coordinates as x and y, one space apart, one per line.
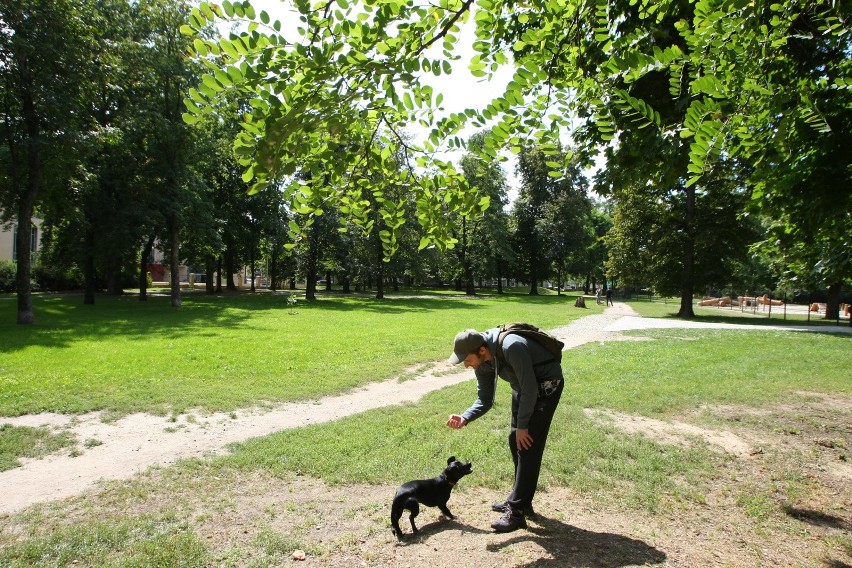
570 546
63 320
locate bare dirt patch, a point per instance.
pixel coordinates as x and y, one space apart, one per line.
256 519
675 432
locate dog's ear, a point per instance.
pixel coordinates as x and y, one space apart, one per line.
451 460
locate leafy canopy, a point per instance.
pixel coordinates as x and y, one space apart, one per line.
332 96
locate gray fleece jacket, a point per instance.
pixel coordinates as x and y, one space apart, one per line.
525 364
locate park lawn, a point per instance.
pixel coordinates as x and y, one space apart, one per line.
226 352
155 518
679 371
161 518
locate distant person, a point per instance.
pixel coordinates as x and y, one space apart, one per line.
535 375
598 298
609 297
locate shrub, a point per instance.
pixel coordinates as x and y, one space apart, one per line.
52 278
8 271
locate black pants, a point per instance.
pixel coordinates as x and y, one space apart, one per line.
528 462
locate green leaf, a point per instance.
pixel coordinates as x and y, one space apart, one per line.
207 11
229 48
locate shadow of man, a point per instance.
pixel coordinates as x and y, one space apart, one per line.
570 546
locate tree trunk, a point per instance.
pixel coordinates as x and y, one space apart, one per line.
470 289
26 206
209 270
26 315
464 260
89 266
219 274
114 287
311 263
273 269
688 280
533 278
175 264
253 268
499 275
143 268
230 269
380 271
832 302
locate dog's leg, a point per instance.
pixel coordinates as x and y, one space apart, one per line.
446 511
413 506
396 513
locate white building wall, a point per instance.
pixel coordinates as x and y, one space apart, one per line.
7 239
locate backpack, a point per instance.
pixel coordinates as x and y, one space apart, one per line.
530 331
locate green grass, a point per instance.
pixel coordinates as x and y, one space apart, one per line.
125 541
412 441
227 352
683 368
679 371
25 441
222 353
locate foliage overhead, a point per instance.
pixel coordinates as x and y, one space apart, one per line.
333 95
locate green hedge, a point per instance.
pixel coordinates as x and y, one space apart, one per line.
8 269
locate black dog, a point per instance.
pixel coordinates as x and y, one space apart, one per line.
433 492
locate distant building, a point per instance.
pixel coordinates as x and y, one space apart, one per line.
9 240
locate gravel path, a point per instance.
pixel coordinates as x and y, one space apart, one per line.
134 443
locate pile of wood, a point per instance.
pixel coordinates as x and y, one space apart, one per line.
816 308
718 302
745 301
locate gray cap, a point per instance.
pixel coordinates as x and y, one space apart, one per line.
466 342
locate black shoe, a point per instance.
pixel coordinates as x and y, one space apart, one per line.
510 521
502 507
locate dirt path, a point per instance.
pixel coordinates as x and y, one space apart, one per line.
134 443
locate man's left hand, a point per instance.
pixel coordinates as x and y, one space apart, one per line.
523 439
